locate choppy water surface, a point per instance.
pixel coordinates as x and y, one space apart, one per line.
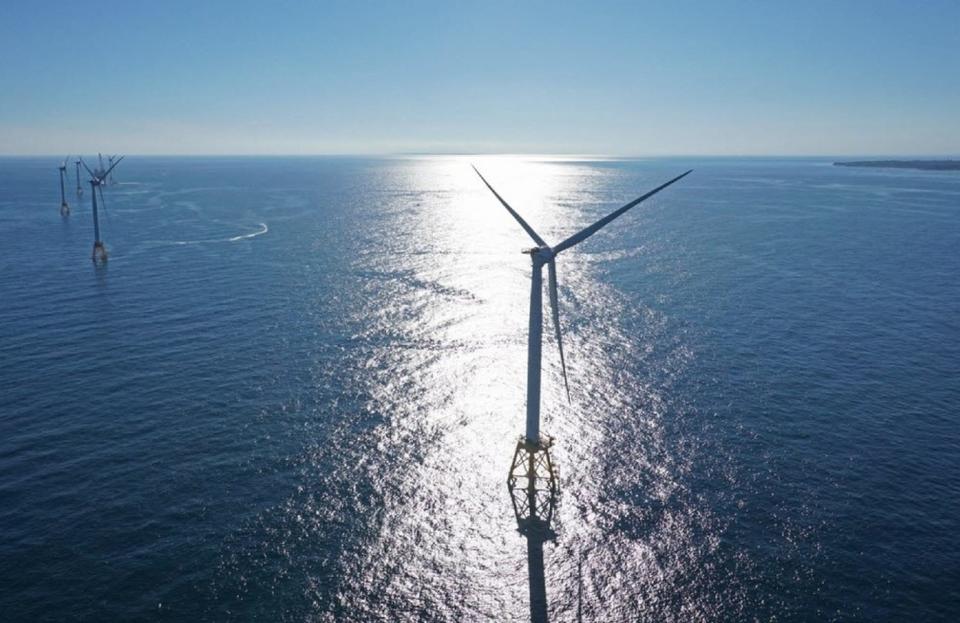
293 393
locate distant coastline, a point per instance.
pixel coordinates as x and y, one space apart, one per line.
925 165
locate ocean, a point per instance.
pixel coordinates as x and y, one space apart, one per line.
293 392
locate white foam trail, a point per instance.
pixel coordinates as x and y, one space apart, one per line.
263 229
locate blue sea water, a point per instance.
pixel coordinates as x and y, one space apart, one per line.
293 392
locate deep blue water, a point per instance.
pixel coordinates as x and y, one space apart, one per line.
293 392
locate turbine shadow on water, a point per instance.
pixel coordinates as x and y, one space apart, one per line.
538 587
536 525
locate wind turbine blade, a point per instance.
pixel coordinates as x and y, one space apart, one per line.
555 310
87 168
107 172
589 231
100 156
513 213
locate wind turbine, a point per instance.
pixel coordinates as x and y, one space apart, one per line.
64 208
97 180
79 187
110 165
534 506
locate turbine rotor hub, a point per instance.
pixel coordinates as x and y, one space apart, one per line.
544 254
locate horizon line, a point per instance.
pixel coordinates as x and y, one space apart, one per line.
467 154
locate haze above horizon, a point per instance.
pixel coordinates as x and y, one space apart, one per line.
617 79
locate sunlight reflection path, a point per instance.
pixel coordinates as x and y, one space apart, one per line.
446 294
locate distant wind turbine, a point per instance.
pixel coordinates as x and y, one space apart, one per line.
64 208
97 180
79 187
110 166
531 459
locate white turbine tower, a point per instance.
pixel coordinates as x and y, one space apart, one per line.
97 179
64 208
531 460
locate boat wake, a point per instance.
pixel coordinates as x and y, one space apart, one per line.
263 229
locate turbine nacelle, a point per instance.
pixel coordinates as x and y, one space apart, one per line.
542 254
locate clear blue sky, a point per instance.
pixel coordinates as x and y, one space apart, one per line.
626 78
